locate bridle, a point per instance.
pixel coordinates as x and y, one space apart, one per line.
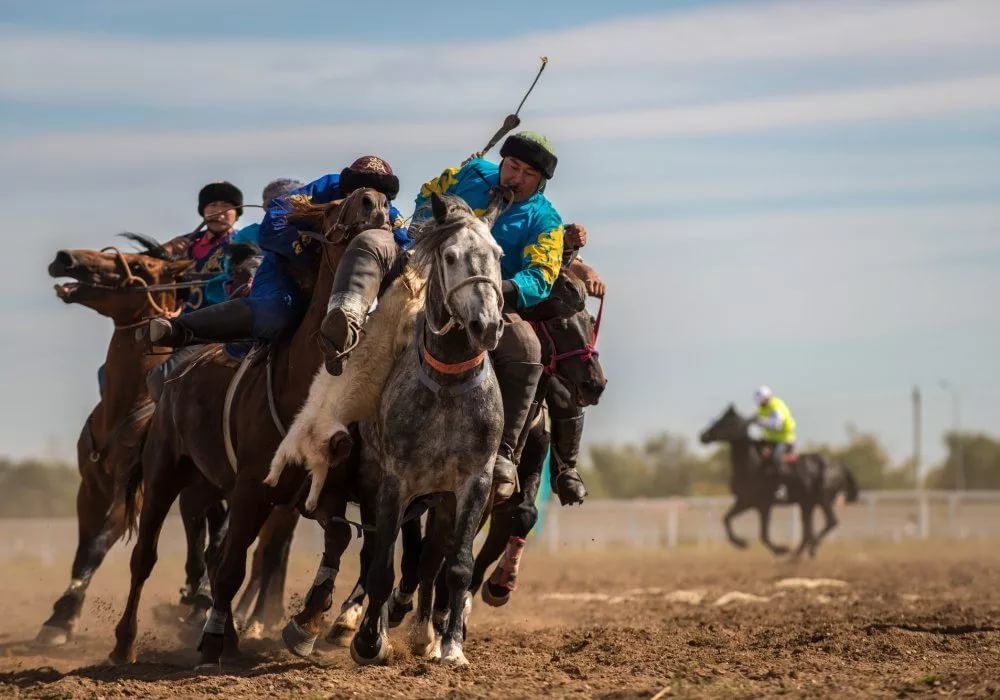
585 353
453 322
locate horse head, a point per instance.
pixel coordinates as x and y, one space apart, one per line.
112 282
463 272
729 427
568 334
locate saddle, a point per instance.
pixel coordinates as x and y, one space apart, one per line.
791 458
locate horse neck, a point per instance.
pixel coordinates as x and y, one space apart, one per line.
126 365
741 454
302 353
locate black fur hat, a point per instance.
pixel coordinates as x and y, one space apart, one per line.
221 191
534 149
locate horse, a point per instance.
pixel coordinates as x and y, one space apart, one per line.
185 443
128 288
573 375
437 430
814 480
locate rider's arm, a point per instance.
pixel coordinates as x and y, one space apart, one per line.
541 259
586 274
276 233
772 420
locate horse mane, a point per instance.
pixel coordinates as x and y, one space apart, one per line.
301 210
147 245
428 234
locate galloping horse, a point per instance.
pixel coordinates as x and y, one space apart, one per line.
814 481
128 288
185 442
438 429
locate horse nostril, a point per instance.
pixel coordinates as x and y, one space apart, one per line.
64 260
477 327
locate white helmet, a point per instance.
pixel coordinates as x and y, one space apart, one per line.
762 393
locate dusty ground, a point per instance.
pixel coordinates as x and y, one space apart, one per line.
895 620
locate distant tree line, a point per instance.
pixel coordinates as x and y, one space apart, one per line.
662 465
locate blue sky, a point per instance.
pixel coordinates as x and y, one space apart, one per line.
803 194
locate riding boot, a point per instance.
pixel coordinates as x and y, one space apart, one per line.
566 480
220 323
518 383
356 285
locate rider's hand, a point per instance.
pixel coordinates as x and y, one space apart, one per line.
575 236
592 282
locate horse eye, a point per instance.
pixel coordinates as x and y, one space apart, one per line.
450 257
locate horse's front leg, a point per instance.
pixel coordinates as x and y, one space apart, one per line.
734 510
371 643
808 539
469 507
765 530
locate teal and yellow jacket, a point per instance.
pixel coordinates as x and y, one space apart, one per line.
530 232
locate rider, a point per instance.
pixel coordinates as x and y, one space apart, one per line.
565 416
220 204
779 429
275 305
530 232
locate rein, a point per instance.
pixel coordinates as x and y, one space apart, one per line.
135 283
586 353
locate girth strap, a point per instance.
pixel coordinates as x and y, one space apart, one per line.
139 413
227 409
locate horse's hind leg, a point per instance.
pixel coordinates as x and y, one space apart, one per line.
830 523
401 601
302 631
468 513
163 480
274 544
100 526
496 539
249 507
765 531
197 591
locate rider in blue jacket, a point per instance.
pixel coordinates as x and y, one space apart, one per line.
275 305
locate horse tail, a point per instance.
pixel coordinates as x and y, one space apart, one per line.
851 489
131 495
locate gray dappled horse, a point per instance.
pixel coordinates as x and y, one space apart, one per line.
438 428
813 480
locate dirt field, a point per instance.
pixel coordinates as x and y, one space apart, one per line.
891 620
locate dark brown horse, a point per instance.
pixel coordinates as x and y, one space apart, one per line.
185 442
812 481
112 284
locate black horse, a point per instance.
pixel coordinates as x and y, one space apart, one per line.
812 480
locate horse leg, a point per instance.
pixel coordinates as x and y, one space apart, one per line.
371 642
765 531
469 509
734 510
250 594
270 609
806 508
830 523
99 526
195 530
501 526
424 639
249 508
163 479
522 519
302 631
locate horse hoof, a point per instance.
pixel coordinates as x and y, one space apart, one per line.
740 544
254 630
453 656
398 609
121 658
340 635
297 640
381 656
208 668
493 600
52 636
779 550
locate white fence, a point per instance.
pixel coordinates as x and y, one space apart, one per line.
666 522
670 522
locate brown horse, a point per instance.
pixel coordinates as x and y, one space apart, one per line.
112 284
185 441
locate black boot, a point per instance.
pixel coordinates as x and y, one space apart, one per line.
341 329
566 480
518 384
220 323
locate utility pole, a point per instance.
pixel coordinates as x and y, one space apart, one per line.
956 428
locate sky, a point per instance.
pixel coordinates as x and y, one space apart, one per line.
800 194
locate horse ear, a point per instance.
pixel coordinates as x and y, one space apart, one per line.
440 207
